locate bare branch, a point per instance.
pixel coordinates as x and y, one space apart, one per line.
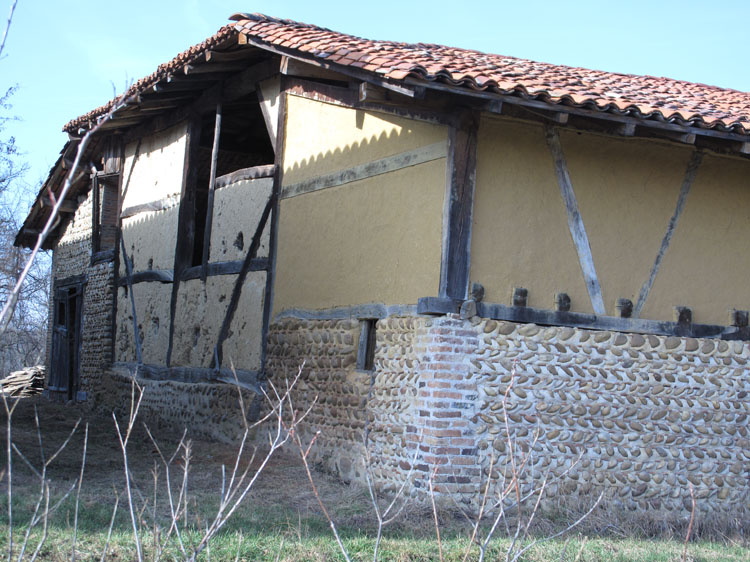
7 26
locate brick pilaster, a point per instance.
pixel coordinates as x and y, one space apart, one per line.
445 407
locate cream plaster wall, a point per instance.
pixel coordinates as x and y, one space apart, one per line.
152 311
201 309
323 138
237 210
520 235
150 240
157 172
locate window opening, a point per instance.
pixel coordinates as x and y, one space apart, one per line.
243 143
366 348
106 203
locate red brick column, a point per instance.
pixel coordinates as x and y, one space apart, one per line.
445 408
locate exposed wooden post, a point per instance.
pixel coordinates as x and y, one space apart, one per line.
186 224
211 189
575 221
458 207
129 272
687 182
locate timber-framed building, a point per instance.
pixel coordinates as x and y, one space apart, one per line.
420 225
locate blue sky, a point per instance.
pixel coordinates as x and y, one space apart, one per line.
67 56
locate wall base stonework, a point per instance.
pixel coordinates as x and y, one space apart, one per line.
641 417
208 410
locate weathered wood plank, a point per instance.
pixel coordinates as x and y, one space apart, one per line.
253 173
529 315
268 96
148 276
151 206
194 375
224 268
372 310
383 166
211 190
575 221
687 182
273 237
186 225
458 208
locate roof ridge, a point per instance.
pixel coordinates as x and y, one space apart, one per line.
640 96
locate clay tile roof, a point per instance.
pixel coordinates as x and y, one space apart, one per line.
645 97
641 96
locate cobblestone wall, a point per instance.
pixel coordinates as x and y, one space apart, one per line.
327 352
72 257
642 417
208 410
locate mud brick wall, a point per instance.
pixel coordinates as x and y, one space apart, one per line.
71 257
208 410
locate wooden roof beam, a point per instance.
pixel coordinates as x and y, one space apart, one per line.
213 67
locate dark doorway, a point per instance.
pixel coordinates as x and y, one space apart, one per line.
66 340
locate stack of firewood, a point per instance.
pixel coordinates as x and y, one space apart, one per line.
23 383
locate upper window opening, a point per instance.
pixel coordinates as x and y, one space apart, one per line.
243 143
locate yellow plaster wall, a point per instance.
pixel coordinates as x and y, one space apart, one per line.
322 138
627 190
520 235
373 240
237 210
157 172
707 266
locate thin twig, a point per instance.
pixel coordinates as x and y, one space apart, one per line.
7 26
434 514
690 525
78 494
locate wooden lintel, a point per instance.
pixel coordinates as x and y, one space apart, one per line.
458 208
150 275
254 173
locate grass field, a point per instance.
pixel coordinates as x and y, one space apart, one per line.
280 519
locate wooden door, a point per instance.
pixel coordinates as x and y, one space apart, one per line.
66 340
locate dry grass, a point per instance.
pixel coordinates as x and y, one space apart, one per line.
281 517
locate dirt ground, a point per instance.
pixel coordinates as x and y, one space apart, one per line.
283 483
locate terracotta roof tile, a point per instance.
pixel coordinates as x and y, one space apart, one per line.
640 96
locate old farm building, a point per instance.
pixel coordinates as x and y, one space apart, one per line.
414 222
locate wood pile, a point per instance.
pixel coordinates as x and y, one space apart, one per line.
23 383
